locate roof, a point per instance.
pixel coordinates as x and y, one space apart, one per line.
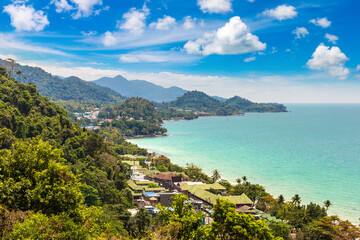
166 177
242 199
133 186
209 197
216 186
150 194
132 163
152 199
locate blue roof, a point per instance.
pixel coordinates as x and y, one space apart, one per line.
150 194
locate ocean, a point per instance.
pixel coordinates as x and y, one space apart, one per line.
313 150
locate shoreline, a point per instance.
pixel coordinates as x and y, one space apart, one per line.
337 211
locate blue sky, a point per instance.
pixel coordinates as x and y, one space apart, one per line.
278 50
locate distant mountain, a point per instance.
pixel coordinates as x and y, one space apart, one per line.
67 89
140 88
248 106
200 102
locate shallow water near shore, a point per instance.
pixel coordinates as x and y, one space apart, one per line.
313 151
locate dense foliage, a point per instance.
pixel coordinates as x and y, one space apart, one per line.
248 106
135 108
200 102
52 170
203 104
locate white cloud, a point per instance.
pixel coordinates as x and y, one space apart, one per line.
358 68
61 5
4 57
9 42
331 38
251 1
135 20
26 18
189 22
250 59
331 60
109 39
89 33
215 6
281 12
300 32
232 38
322 22
85 7
164 23
156 57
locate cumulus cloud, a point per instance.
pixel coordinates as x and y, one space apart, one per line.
189 22
26 18
134 20
251 1
331 38
164 23
250 59
331 60
215 6
300 32
109 39
322 22
232 38
85 7
358 68
281 12
61 5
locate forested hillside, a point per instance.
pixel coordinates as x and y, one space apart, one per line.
67 89
203 104
55 176
200 102
248 106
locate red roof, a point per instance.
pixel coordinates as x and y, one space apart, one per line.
166 177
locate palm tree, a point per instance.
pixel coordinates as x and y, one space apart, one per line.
281 199
327 204
238 180
296 200
216 175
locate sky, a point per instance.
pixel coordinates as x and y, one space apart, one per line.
288 51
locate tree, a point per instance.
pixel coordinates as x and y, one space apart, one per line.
228 224
238 180
296 200
281 199
142 220
215 176
327 204
280 229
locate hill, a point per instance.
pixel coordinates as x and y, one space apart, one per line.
248 106
140 88
203 104
55 174
66 89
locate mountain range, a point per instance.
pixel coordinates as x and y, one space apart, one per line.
140 88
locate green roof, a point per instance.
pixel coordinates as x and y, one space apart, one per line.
216 186
242 199
209 197
133 186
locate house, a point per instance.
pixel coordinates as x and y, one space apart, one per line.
138 187
168 180
184 188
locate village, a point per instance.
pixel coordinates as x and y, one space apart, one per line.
150 187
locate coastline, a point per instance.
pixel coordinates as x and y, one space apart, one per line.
209 162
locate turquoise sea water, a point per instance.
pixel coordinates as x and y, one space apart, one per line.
313 151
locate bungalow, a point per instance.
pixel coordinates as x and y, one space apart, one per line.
168 180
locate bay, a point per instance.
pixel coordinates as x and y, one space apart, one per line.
313 151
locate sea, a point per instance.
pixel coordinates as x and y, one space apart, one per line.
313 150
